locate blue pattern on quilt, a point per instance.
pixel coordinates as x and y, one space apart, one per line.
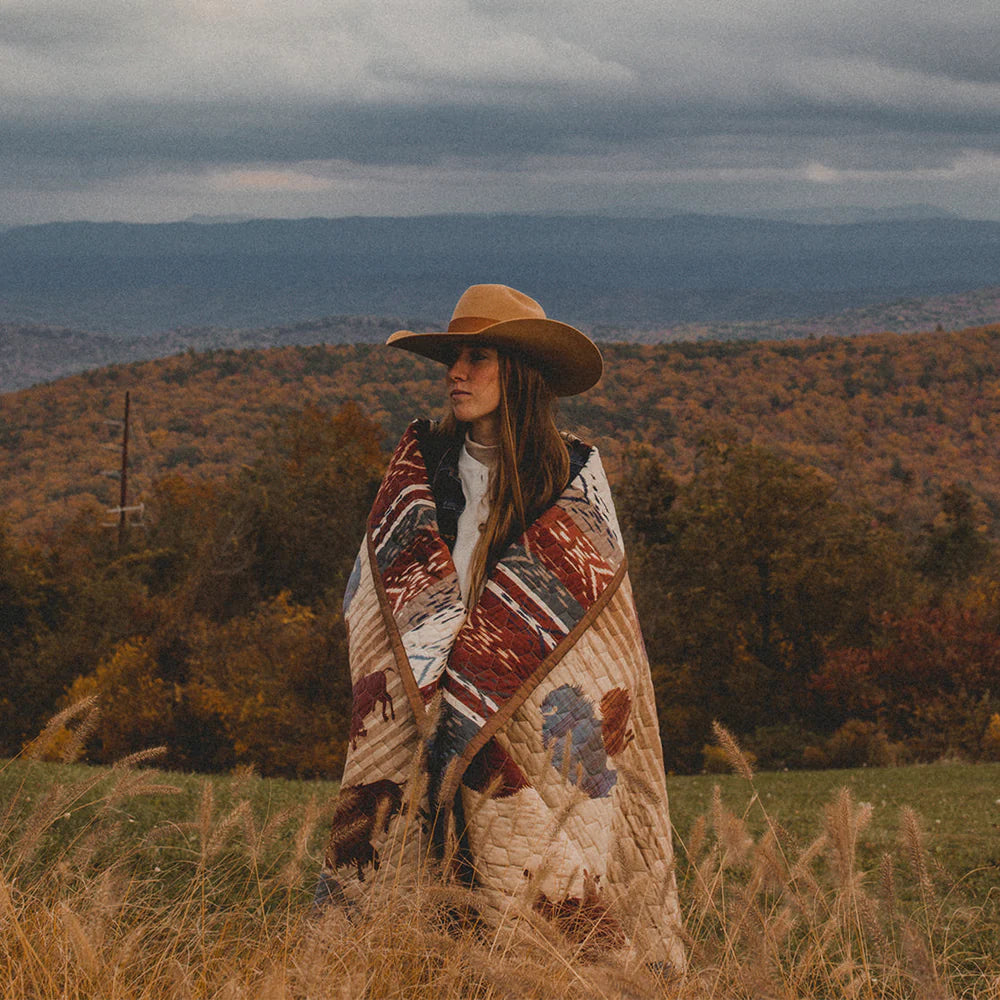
542 581
352 584
418 517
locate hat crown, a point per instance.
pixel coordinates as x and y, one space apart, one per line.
486 305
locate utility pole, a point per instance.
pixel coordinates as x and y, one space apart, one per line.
122 511
123 479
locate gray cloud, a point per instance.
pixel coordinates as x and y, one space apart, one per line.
120 106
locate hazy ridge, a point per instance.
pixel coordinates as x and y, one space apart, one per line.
33 354
134 279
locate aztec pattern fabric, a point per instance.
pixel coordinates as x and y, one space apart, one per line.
527 722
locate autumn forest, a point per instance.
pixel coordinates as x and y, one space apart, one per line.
813 529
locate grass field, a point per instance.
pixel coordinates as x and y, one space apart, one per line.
958 806
131 882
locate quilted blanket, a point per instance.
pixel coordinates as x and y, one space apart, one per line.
517 740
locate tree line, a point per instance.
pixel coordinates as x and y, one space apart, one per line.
816 629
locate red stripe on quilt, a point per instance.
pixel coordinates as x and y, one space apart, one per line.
529 602
559 544
405 469
424 562
496 649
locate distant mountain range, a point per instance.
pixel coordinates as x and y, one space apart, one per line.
30 354
135 280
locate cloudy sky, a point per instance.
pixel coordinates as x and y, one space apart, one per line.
150 110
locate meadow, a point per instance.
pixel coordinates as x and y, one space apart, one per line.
132 882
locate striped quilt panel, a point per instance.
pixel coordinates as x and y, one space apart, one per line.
541 589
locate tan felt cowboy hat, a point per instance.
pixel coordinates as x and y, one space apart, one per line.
508 319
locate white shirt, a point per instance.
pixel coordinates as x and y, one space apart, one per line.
474 463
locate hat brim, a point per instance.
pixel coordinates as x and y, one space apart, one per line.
568 360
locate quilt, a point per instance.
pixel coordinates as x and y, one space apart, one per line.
513 746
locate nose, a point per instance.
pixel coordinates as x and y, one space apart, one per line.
457 371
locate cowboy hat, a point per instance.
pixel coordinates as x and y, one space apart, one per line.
508 319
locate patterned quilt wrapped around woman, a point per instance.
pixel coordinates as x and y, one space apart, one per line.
513 746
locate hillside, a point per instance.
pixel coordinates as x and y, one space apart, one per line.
589 270
33 354
812 530
892 418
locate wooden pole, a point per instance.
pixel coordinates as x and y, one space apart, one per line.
123 479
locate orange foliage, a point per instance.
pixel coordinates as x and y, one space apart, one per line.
277 683
893 419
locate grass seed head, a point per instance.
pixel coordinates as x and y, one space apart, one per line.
734 755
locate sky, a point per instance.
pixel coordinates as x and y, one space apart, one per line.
160 110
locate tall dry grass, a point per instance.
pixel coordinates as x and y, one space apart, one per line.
218 906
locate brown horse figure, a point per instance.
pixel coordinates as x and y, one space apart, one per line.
369 691
359 808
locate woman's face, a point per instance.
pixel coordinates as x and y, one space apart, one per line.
474 392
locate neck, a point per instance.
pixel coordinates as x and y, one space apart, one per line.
485 431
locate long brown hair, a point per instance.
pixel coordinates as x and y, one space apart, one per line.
533 464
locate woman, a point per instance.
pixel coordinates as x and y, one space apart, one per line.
504 723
